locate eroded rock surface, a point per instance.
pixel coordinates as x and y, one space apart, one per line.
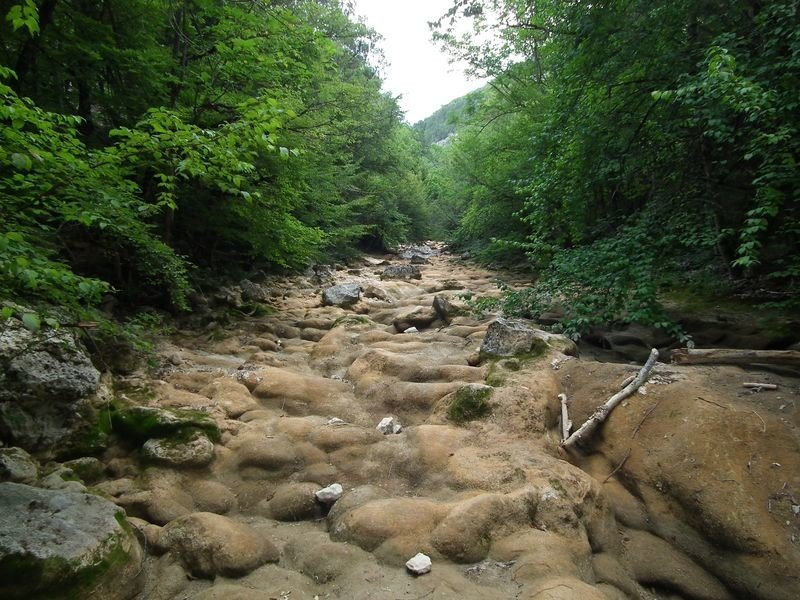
209 545
689 490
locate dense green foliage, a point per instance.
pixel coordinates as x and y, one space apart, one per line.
627 146
621 148
144 143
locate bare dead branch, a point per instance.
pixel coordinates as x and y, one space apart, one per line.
566 424
601 414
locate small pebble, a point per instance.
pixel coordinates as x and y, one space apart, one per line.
389 425
419 564
330 494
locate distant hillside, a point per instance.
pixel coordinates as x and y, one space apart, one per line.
444 122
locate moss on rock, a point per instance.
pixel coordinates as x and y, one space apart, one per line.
141 423
470 403
98 554
350 321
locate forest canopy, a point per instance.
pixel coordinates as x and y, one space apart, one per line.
149 143
622 150
628 148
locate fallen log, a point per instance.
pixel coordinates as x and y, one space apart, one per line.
601 414
729 356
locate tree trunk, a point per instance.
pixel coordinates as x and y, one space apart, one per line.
26 61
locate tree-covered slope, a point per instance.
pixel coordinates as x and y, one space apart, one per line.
445 121
140 140
627 149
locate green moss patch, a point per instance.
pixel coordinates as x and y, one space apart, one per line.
350 321
140 423
500 368
91 439
58 578
470 403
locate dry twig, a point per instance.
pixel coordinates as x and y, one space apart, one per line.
566 424
602 412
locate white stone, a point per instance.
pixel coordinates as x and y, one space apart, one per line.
389 425
336 421
419 564
330 494
411 330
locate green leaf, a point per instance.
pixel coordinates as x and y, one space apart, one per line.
21 161
31 321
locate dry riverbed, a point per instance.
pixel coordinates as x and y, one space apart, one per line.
689 490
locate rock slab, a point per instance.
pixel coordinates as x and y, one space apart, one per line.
18 466
344 295
446 309
401 272
197 451
140 423
60 544
508 337
419 317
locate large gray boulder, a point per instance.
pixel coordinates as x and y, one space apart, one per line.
321 274
417 253
509 337
45 380
344 295
229 296
58 545
253 292
401 272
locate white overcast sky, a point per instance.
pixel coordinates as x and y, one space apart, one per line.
418 70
